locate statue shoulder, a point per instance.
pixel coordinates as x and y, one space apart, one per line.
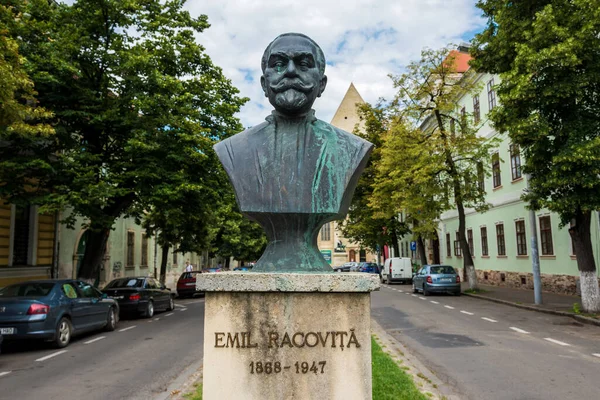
353 142
226 149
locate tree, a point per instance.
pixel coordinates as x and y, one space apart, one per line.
22 121
370 227
238 237
547 54
433 157
123 79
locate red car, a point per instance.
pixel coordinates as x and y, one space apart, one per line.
186 285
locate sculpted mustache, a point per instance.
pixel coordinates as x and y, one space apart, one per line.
284 85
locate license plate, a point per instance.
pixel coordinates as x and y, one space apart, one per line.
446 279
7 331
190 284
116 297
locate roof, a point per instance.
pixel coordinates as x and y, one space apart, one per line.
346 116
461 60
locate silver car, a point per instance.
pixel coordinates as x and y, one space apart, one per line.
436 278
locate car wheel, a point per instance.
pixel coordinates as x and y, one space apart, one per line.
149 313
111 320
171 304
415 290
425 291
389 280
64 331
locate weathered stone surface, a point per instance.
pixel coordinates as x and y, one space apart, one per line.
330 332
286 282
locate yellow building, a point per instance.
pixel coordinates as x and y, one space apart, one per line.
333 245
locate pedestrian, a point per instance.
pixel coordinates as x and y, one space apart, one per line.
220 265
188 267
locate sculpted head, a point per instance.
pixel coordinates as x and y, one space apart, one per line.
293 77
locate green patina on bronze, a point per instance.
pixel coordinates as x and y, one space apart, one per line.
293 173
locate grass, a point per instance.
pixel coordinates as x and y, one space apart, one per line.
390 382
474 291
196 394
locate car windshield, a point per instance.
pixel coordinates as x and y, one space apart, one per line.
441 269
27 290
126 283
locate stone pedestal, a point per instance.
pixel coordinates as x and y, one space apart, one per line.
287 336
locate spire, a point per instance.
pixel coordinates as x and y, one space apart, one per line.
346 116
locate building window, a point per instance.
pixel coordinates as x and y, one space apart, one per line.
571 225
470 241
457 249
496 170
491 94
515 161
500 240
452 126
326 232
463 118
476 109
21 235
521 238
174 256
448 246
480 177
484 242
546 236
130 248
144 250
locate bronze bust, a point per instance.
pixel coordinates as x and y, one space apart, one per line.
293 173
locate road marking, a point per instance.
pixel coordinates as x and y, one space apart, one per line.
414 295
169 314
155 319
423 298
466 312
434 302
128 328
51 355
489 319
450 307
408 293
179 305
95 340
401 291
183 309
518 330
557 341
596 354
5 373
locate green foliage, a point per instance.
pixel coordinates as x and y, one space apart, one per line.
366 225
137 105
576 308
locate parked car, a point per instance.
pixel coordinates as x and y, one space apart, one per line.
347 267
140 295
436 278
54 310
243 268
186 284
369 267
397 269
211 270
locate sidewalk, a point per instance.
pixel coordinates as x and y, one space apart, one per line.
552 303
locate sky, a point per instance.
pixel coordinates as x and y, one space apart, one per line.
364 41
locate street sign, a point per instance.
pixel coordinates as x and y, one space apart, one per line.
327 255
413 246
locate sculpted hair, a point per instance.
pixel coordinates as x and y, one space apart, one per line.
320 55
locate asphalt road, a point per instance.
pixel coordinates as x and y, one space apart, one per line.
136 361
485 350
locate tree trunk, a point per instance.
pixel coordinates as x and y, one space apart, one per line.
164 256
464 246
580 233
436 248
395 244
94 254
227 262
421 250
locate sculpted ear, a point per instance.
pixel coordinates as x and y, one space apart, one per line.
263 83
322 85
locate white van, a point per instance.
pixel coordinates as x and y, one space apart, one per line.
397 269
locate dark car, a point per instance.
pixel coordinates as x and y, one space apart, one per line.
186 284
244 268
54 310
347 267
140 295
368 267
436 278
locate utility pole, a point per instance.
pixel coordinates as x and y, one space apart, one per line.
535 258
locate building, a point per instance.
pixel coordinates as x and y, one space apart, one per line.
500 239
337 249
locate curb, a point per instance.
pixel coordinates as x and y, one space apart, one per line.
579 318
